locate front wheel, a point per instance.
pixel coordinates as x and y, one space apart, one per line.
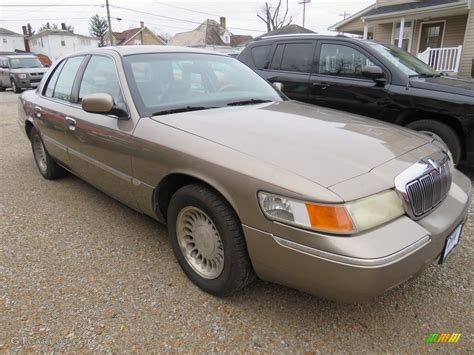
441 131
208 241
45 163
15 87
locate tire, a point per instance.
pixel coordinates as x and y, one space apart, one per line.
221 233
45 163
443 131
2 88
15 87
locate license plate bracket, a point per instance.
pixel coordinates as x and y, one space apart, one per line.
451 242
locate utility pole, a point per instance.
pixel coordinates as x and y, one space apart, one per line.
111 37
345 14
304 2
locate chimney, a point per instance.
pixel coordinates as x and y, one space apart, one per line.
223 21
142 24
25 39
63 26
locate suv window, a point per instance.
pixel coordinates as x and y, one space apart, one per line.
63 88
100 76
53 79
295 57
340 60
259 55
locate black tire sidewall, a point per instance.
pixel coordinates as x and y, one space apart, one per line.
446 133
190 197
53 170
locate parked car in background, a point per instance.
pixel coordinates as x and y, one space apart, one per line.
371 79
20 71
248 181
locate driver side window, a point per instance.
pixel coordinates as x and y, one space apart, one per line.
344 61
100 76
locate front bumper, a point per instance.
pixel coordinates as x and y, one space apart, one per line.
27 83
353 269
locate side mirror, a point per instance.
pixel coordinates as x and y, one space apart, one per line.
104 104
373 72
278 85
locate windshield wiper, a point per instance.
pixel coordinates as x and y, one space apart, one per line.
248 102
182 109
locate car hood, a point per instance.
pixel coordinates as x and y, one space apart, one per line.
323 145
445 84
28 70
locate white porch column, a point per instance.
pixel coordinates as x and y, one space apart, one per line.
400 34
366 30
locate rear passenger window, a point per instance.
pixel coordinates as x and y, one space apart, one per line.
53 79
63 88
298 57
260 55
295 57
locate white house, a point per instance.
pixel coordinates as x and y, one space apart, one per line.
10 41
58 43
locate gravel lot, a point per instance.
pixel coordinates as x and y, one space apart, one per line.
82 272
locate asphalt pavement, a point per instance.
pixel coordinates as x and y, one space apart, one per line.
82 272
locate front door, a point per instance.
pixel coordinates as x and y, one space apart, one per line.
431 35
99 145
338 82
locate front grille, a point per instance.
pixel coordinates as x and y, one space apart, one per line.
429 190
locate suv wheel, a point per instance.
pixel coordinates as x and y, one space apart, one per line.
208 241
441 131
15 87
1 88
45 163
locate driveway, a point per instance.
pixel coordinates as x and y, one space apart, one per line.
82 272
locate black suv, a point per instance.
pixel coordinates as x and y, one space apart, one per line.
371 79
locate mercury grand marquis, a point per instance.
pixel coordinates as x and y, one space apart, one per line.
250 183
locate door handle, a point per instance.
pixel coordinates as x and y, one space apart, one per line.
323 85
37 112
71 123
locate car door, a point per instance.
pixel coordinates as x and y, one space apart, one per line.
338 81
291 65
51 107
99 145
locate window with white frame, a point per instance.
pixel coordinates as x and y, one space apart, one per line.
4 40
407 35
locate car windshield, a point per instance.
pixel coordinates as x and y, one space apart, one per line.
30 62
408 64
164 83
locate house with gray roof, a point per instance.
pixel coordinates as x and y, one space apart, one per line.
11 41
439 32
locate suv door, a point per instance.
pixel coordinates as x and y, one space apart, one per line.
99 145
291 64
54 101
338 81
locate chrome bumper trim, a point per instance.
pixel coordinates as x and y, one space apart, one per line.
354 261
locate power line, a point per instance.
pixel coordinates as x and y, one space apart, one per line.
176 19
47 5
47 19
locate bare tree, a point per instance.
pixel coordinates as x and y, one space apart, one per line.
274 15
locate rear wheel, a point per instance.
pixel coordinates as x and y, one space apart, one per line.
441 131
1 88
45 163
208 241
15 87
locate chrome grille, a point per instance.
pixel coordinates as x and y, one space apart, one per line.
427 191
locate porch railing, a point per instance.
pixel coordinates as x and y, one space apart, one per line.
442 59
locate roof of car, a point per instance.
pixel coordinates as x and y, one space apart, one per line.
301 35
128 50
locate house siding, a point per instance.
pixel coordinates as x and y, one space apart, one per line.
383 32
468 48
454 31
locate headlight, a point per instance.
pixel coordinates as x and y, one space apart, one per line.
22 76
348 218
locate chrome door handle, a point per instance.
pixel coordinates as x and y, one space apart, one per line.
37 111
71 123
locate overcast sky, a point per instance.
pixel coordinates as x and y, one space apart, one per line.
182 15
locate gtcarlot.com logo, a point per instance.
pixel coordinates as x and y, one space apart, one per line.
443 338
